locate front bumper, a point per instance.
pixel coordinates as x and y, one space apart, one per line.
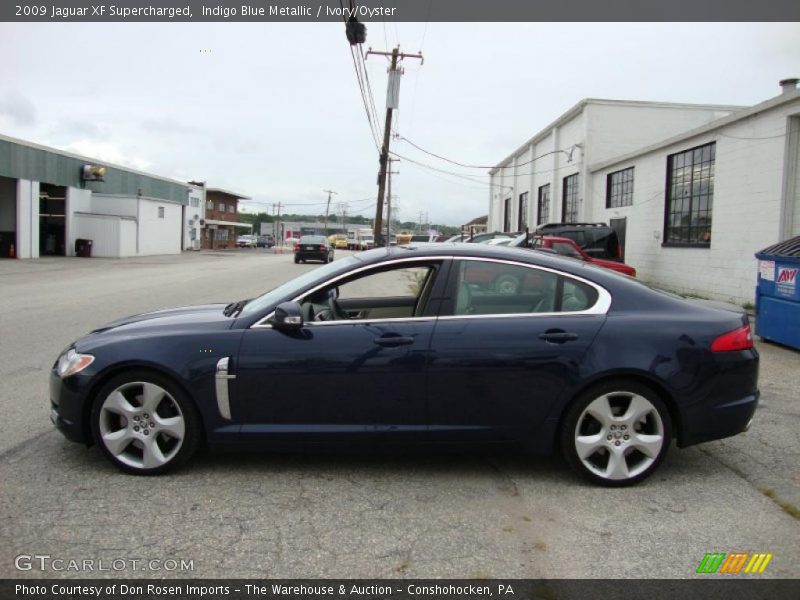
66 407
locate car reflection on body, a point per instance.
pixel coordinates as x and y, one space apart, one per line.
576 358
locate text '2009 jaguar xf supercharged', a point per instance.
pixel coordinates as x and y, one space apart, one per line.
435 344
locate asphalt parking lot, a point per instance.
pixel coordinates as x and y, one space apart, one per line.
352 516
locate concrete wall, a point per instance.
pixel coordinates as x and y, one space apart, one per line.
159 235
121 226
78 200
105 233
750 175
27 219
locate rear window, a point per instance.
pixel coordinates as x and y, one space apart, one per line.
312 239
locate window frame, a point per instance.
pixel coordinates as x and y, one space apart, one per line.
542 189
600 306
440 264
522 211
573 199
443 289
668 189
507 214
625 196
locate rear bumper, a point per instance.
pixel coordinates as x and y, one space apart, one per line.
720 421
311 255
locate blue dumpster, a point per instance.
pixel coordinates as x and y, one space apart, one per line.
778 293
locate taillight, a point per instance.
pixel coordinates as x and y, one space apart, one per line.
619 251
738 339
320 247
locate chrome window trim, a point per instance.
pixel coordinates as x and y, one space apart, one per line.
600 307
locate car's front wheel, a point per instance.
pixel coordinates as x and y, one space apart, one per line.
616 433
144 423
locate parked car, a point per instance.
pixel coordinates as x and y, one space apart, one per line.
246 241
423 239
313 247
341 242
568 247
498 241
582 360
597 239
483 237
265 241
460 237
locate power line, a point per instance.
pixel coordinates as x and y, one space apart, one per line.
469 166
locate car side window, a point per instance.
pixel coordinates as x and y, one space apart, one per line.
403 282
396 293
490 288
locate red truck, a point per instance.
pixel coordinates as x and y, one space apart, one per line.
567 247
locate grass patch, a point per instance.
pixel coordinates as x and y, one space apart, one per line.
787 507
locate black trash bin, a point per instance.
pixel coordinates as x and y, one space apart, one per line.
83 248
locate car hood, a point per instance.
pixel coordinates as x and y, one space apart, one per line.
194 317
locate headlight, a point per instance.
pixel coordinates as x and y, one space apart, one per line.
71 362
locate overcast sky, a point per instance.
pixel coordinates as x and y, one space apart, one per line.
273 111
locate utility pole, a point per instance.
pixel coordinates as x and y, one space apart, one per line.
278 236
389 199
327 209
392 99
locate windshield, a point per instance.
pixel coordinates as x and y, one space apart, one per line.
292 287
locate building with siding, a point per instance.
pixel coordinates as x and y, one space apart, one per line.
220 227
47 203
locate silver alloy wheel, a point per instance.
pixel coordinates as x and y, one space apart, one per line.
619 435
142 425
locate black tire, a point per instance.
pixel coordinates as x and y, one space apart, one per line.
619 390
193 430
296 260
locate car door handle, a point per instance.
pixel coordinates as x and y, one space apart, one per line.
390 341
557 336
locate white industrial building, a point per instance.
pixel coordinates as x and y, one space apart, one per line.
700 204
50 198
693 190
545 179
194 216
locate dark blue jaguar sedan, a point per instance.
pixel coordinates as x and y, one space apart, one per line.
433 344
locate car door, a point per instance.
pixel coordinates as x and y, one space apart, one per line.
509 341
357 374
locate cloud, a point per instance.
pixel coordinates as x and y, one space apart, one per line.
107 152
18 108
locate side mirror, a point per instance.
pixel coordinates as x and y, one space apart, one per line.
288 317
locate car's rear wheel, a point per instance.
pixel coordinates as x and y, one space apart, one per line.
616 433
144 423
